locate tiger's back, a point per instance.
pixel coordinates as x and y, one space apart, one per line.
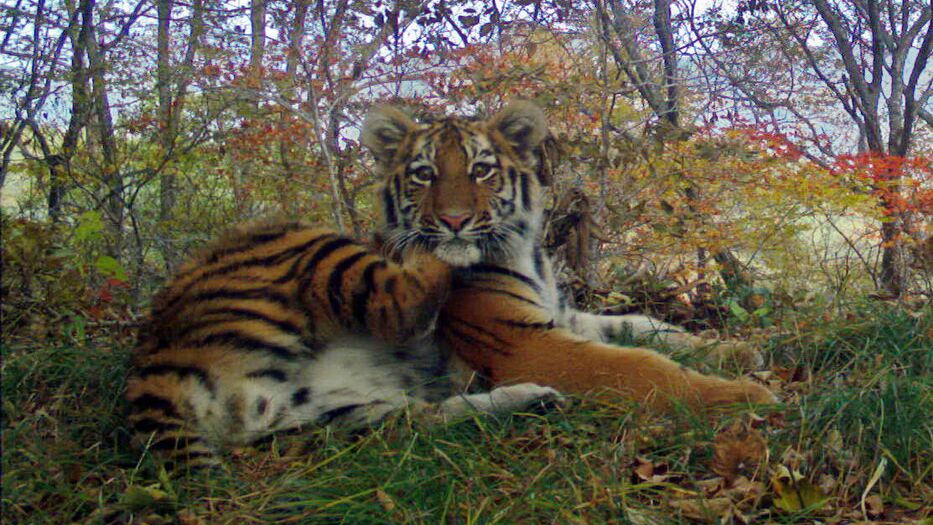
258 333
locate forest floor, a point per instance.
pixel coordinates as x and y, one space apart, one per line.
851 443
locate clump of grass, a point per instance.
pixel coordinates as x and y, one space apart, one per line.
867 397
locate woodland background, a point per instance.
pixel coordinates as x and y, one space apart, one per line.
761 167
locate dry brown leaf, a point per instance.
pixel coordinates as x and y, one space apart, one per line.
188 517
712 486
738 449
385 500
646 470
708 510
874 505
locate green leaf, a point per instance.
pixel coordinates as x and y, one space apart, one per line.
794 493
740 313
137 497
761 312
110 267
89 226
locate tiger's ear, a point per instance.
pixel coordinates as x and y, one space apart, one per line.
384 130
522 123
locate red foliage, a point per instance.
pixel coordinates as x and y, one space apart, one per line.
902 184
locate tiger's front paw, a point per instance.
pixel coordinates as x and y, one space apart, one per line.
740 354
736 392
524 396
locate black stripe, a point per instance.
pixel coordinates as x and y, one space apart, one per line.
296 266
527 324
505 293
522 228
361 296
148 425
243 341
301 396
181 371
542 181
473 341
331 415
265 294
238 314
526 191
335 282
510 201
272 373
479 329
254 240
499 270
539 261
175 443
388 204
265 261
153 402
307 272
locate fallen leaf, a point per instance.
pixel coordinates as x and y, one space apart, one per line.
737 449
708 510
744 489
711 486
793 492
138 497
874 505
188 517
385 500
646 470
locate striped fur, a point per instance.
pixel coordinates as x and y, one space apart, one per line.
505 317
281 325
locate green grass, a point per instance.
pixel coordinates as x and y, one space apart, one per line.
858 397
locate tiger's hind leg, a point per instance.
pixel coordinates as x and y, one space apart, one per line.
647 330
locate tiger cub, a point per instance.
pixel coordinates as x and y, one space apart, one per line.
473 192
280 325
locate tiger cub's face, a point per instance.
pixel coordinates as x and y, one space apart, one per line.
470 191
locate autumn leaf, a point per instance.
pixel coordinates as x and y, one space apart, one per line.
646 470
138 497
707 510
737 449
793 492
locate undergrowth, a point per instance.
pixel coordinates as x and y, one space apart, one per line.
852 439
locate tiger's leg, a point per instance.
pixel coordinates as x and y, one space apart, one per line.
497 328
502 400
648 330
499 401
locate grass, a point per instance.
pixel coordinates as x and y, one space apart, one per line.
855 429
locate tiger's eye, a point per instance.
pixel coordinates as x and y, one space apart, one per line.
423 175
482 171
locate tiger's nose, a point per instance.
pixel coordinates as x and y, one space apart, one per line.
455 221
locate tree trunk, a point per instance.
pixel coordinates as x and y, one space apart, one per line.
103 128
167 180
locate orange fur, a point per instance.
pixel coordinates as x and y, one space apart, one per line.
499 332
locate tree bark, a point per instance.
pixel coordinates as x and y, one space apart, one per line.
102 124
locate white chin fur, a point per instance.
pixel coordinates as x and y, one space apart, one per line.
458 253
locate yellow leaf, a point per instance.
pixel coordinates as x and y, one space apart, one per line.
138 497
794 493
